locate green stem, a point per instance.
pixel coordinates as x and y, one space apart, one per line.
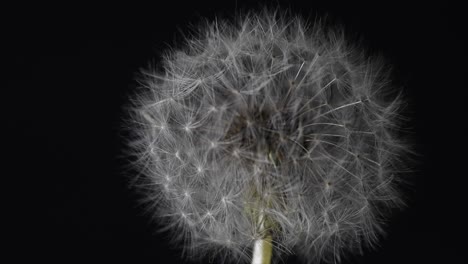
262 251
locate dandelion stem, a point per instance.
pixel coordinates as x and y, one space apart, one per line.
262 251
262 247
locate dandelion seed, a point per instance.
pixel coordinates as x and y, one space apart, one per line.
199 169
168 178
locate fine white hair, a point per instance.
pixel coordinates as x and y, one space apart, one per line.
270 116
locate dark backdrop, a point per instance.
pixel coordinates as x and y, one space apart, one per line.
70 68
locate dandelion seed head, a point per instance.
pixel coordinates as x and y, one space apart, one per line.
278 118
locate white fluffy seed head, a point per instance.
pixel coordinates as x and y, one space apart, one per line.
268 116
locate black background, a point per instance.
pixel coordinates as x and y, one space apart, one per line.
70 68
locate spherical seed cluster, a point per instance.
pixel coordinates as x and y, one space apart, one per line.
263 128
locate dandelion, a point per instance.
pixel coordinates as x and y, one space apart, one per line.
268 137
